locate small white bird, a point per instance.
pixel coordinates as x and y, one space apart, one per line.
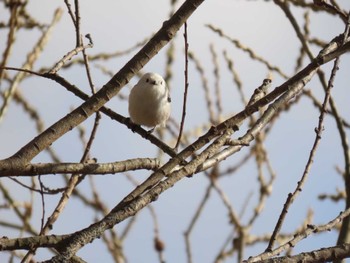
149 101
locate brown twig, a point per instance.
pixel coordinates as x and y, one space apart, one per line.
216 73
235 76
44 189
13 25
332 8
328 254
31 58
306 36
194 219
77 23
100 56
68 56
301 182
317 8
186 89
308 93
234 219
310 229
42 205
21 215
35 116
70 12
205 86
342 41
251 53
158 243
344 235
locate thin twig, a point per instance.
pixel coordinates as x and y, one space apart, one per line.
317 8
186 88
216 73
42 204
318 104
306 36
343 236
205 86
310 229
31 58
69 7
194 219
68 56
158 243
236 78
100 56
13 25
40 191
77 23
301 182
251 53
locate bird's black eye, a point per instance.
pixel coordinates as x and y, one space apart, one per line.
147 80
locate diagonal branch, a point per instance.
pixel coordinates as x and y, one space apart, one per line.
327 254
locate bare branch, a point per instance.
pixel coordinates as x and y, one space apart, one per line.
83 168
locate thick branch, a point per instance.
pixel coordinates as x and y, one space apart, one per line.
322 255
28 242
83 168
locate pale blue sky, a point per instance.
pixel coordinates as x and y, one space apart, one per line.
115 25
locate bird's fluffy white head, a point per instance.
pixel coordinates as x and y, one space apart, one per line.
151 79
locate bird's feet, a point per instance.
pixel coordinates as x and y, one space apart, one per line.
151 130
132 125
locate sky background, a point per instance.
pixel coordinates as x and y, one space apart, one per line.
117 25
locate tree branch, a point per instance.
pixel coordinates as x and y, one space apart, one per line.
322 255
83 168
298 237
